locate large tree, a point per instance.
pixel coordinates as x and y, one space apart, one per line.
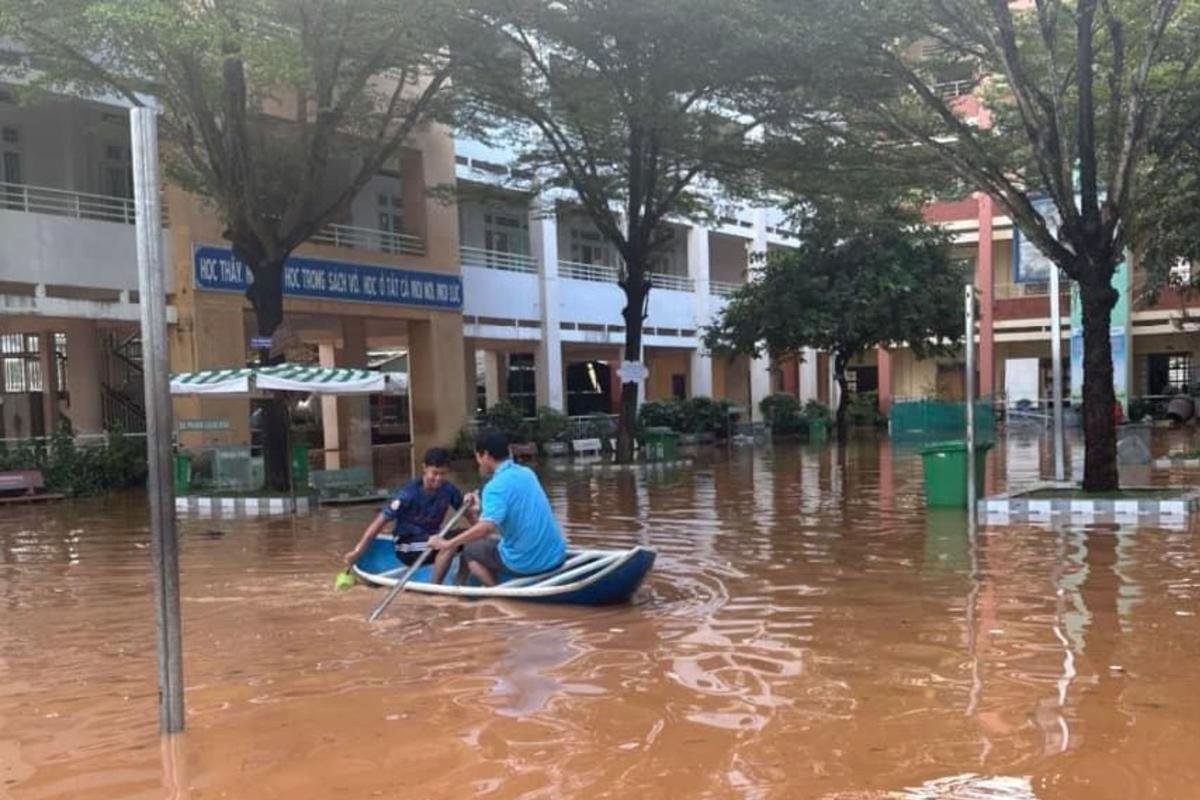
856 282
628 109
278 112
1072 93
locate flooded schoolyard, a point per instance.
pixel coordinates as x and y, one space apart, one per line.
809 630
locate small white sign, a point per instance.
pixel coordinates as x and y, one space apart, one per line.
632 372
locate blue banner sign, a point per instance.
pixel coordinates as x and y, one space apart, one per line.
216 268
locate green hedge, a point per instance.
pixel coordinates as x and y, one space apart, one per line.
81 469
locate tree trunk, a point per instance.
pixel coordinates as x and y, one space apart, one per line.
839 374
266 296
1099 400
636 289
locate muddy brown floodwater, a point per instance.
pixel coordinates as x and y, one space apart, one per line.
809 631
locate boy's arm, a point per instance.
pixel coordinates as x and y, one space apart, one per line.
370 533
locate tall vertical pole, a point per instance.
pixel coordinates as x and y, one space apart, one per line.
970 342
1056 387
164 550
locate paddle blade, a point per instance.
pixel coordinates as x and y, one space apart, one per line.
344 580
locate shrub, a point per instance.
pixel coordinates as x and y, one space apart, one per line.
705 415
464 443
864 409
117 463
816 410
599 426
782 413
508 419
551 425
661 414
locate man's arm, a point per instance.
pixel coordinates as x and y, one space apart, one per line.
370 533
479 530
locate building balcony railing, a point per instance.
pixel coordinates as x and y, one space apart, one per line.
495 259
678 283
377 241
951 89
601 273
67 203
1016 291
723 288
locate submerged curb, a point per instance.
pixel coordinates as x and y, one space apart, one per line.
203 506
1019 507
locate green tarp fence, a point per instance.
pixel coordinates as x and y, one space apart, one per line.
928 419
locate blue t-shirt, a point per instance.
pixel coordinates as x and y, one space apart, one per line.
530 539
419 514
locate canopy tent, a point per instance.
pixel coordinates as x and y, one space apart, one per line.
288 378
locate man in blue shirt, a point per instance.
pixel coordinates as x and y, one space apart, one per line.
516 532
417 508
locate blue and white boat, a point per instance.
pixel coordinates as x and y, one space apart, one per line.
587 577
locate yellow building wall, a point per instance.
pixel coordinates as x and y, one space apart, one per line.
663 366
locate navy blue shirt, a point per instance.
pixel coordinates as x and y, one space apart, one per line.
419 514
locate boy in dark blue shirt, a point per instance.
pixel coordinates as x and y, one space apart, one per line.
417 508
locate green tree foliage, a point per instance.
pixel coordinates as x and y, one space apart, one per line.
852 285
628 109
1074 94
278 112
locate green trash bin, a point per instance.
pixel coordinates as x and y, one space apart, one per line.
662 444
299 464
182 472
818 429
945 466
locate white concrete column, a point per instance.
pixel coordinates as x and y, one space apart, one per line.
835 391
330 423
809 382
701 383
83 376
760 368
543 241
493 367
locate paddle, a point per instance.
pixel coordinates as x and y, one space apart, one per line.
379 609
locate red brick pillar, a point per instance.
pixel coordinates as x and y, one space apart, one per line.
985 281
883 361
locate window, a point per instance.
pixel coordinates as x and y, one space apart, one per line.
10 168
587 247
390 210
10 135
1168 373
679 387
116 172
862 379
522 383
505 233
22 367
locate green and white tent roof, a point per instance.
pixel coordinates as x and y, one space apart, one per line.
288 378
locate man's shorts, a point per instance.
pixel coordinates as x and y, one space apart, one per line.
485 551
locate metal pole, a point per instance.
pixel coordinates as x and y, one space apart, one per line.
1060 467
164 550
970 341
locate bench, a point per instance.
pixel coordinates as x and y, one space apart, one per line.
24 486
583 447
523 452
345 486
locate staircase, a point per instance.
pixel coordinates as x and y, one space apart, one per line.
121 389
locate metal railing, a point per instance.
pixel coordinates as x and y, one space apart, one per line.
723 288
370 239
66 203
1014 291
601 273
952 89
680 283
495 259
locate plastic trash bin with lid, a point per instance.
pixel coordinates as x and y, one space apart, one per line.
182 472
945 466
662 444
299 464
